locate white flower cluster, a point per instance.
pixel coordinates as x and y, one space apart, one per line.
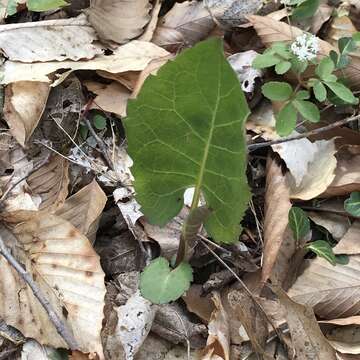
305 47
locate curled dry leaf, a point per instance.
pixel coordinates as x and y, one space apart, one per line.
333 291
66 268
118 20
186 23
218 342
84 208
50 183
277 206
24 104
49 40
345 339
152 24
307 339
134 56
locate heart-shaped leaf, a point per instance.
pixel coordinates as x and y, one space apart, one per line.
182 136
160 284
352 204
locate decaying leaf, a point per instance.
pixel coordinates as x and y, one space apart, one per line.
84 208
49 40
67 270
134 56
24 104
118 20
307 339
186 23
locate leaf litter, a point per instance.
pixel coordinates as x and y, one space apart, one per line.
104 132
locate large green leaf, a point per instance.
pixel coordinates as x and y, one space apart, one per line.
185 129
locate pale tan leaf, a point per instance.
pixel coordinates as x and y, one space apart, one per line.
84 208
347 172
118 20
151 26
24 104
186 23
320 172
134 56
307 339
51 182
66 268
110 97
350 242
49 40
345 339
321 16
277 206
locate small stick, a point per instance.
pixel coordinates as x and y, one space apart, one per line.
336 124
61 328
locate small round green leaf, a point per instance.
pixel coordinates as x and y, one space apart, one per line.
265 60
308 110
342 92
302 95
99 122
277 91
286 120
324 250
299 223
352 204
325 68
282 67
160 284
320 91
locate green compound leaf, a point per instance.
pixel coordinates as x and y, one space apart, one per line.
302 95
342 92
299 223
306 9
352 204
323 249
265 60
346 45
308 110
160 284
325 68
282 67
320 91
45 5
286 120
277 91
185 129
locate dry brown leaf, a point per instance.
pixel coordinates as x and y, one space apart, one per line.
49 40
186 23
134 56
218 341
118 20
321 16
347 172
349 244
66 268
251 317
277 206
24 104
50 182
345 339
84 209
110 97
151 26
307 339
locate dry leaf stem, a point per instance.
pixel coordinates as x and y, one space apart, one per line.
336 124
61 328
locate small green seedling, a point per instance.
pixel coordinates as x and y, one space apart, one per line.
180 137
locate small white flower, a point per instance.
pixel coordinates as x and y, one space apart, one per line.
305 47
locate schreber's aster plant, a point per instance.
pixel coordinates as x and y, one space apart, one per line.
305 47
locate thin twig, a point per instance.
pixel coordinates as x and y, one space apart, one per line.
334 125
61 328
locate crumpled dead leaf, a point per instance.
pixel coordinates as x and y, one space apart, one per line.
118 20
24 104
49 40
68 272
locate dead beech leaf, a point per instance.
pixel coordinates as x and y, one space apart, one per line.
347 172
51 182
133 56
277 206
24 104
84 208
152 24
345 339
321 16
253 320
66 268
112 97
307 339
118 20
320 172
349 244
186 23
218 341
49 40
